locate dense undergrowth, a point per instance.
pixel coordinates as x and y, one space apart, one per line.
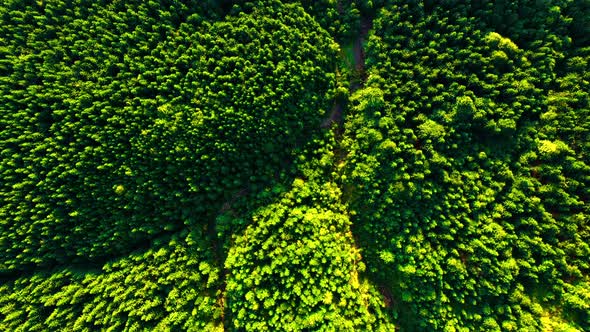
168 165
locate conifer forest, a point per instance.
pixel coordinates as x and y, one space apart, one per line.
312 165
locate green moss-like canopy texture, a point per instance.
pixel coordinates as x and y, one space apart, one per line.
122 121
332 165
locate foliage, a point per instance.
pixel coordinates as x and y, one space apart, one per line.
470 190
294 165
295 267
172 286
122 121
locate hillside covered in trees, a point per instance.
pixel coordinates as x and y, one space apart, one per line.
327 165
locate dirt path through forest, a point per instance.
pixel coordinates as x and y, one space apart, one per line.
358 77
359 52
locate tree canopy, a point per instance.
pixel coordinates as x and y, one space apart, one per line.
331 165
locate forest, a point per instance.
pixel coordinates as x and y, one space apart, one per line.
312 165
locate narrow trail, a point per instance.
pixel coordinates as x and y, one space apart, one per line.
358 76
359 53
